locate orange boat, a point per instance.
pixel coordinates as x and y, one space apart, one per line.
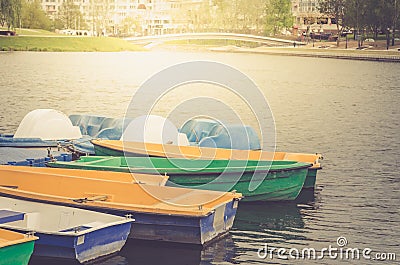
148 179
161 213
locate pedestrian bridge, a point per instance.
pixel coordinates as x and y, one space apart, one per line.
159 39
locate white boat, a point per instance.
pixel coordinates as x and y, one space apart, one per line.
66 232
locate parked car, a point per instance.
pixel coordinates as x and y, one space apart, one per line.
7 33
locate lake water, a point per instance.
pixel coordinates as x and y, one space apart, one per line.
346 110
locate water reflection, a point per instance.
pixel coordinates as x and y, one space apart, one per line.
268 216
275 223
220 252
308 196
142 252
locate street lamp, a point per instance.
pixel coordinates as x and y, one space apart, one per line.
394 21
387 38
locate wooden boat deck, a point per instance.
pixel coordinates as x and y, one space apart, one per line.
8 238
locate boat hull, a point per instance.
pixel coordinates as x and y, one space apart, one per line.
182 229
274 186
16 254
15 248
105 151
84 247
311 178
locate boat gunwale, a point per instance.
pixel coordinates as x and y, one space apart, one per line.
26 238
66 201
135 150
21 169
195 171
228 196
171 172
72 233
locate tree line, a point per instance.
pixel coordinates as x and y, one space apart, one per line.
364 16
29 14
263 17
244 16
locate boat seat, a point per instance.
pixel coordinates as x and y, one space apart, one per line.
99 126
32 220
240 137
75 118
197 129
7 216
82 227
111 129
96 127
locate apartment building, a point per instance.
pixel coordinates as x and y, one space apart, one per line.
307 17
147 17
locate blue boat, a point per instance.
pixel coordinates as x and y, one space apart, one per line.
204 132
34 157
95 127
8 140
65 232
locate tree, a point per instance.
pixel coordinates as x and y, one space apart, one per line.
241 16
130 25
70 15
202 17
10 12
334 9
359 15
372 15
278 16
33 16
396 16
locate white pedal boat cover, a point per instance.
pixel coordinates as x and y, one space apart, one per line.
47 124
153 129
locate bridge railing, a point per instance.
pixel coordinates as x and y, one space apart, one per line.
213 36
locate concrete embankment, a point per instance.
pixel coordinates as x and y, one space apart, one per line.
381 56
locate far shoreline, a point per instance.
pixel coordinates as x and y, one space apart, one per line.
323 50
108 44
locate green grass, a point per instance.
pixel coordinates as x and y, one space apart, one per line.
66 44
32 32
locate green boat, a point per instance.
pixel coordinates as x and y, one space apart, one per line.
15 248
272 180
138 149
